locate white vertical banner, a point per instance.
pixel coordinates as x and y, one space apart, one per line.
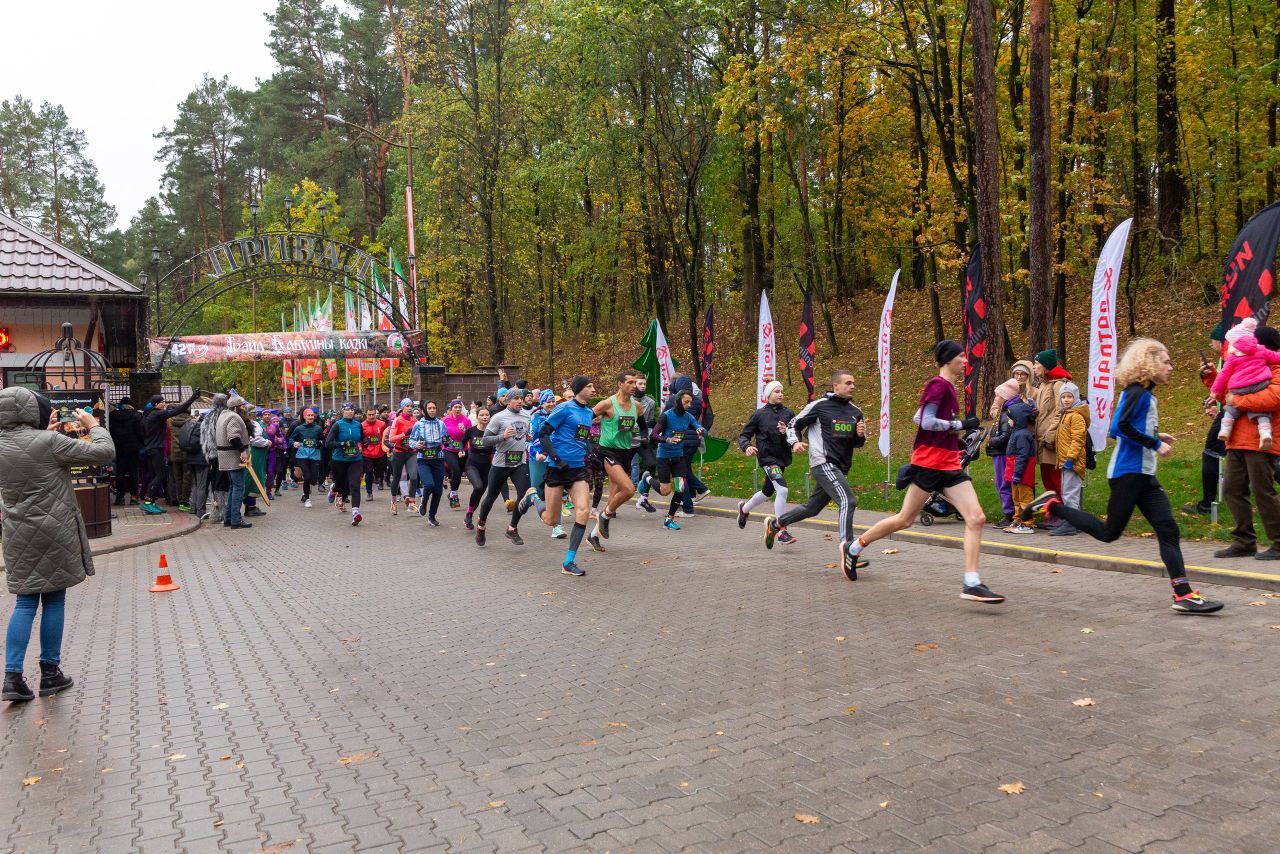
766 352
666 367
1102 335
882 356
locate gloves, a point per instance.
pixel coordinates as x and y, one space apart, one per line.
1068 465
970 424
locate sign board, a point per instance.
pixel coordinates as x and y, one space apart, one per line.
255 346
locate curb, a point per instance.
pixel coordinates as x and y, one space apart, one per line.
169 532
1085 560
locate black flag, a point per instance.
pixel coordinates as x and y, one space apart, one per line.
1249 275
708 355
975 331
806 344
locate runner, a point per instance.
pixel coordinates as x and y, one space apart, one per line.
671 434
307 439
537 457
767 426
457 425
646 461
479 462
936 467
347 464
404 468
1144 364
508 430
427 438
620 422
372 430
830 427
564 440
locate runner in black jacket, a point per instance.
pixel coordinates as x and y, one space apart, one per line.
768 428
831 427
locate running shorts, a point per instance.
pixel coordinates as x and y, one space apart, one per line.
565 477
932 480
618 456
669 467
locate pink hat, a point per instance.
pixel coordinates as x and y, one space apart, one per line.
1245 327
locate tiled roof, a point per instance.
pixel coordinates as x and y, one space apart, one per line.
33 263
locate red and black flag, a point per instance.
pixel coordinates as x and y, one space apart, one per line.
1249 275
975 331
708 355
807 351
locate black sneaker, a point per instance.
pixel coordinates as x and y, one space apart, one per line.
1004 522
646 506
1273 553
1236 551
602 524
479 535
1197 509
573 569
850 564
16 689
1194 603
595 542
785 538
983 593
771 530
433 522
454 502
467 523
743 515
514 536
1039 504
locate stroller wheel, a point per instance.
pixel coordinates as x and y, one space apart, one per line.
926 519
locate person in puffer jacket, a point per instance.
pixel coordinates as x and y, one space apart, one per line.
1246 371
1020 461
767 427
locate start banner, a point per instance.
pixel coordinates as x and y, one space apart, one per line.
258 346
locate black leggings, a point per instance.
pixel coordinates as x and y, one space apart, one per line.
1128 491
310 476
478 469
403 464
375 470
453 470
498 476
346 479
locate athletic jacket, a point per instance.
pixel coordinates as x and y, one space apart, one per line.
565 434
1135 428
649 417
829 424
344 440
772 448
508 453
371 431
310 437
427 438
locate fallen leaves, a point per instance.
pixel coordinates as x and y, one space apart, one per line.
590 742
684 784
221 706
352 758
349 639
1257 604
176 756
852 709
1057 571
1015 788
829 566
278 847
30 781
1271 595
805 818
493 805
225 757
550 593
1275 627
719 732
841 638
616 724
884 805
925 647
1086 631
1084 701
889 552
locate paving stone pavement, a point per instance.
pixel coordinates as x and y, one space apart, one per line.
393 687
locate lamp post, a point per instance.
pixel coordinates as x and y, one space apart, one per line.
288 213
253 214
407 145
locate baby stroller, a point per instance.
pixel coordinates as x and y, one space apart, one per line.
938 507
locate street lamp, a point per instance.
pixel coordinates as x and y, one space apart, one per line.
288 215
155 274
253 214
322 209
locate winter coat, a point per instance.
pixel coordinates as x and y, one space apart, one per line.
1244 435
1008 390
772 448
126 431
230 426
193 430
46 547
1047 401
154 423
176 423
1072 436
1020 455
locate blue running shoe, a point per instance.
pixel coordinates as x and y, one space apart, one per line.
670 524
573 569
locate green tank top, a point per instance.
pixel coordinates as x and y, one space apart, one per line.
616 432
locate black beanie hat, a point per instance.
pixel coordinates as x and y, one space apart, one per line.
945 351
578 383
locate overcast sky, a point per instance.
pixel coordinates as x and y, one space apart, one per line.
121 67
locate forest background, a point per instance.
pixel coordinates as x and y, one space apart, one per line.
581 166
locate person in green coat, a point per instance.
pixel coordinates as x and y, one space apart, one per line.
259 445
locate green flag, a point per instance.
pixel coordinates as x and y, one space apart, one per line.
654 352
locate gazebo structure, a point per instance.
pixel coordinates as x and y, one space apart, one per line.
43 285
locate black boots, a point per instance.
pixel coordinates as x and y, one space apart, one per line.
15 688
52 679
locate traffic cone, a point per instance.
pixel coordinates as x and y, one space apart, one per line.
164 582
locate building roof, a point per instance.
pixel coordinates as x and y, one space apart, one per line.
34 264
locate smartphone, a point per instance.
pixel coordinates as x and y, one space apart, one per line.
66 415
1204 358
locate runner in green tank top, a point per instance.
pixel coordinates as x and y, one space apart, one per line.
619 419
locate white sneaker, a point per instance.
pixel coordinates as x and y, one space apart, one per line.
698 496
356 516
307 503
684 515
1019 529
557 533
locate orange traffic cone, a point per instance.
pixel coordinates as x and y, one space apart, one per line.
164 582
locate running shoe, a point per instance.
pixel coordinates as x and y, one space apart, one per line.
595 542
526 500
1039 504
306 502
1019 529
454 503
557 533
186 508
410 506
302 498
643 486
467 523
785 538
851 563
422 508
981 593
698 496
573 569
479 536
149 507
1003 522
332 495
514 536
1194 603
356 516
644 505
394 510
602 525
342 505
433 522
770 531
670 524
684 514
743 515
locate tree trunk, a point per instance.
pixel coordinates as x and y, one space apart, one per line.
987 173
1171 187
1040 217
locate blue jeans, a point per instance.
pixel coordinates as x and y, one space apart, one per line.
431 474
235 497
21 621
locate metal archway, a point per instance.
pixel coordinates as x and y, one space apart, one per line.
244 261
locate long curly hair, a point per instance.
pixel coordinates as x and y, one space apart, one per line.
1138 361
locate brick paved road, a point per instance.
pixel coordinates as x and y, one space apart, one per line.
680 696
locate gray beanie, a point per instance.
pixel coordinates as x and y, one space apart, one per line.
1069 388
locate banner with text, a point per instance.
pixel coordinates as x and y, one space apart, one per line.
1102 335
766 352
882 353
256 346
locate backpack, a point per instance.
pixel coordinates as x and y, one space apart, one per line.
1090 455
189 438
998 440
